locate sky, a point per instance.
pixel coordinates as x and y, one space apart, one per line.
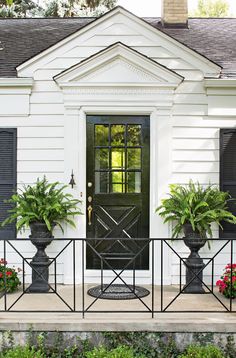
153 7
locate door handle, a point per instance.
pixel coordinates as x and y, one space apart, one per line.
90 209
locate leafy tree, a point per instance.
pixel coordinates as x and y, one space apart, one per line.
70 8
211 8
19 8
55 8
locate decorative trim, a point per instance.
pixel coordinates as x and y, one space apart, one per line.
16 82
220 83
19 86
115 90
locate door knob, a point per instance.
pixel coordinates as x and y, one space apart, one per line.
90 209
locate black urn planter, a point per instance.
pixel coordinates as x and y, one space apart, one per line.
194 262
40 237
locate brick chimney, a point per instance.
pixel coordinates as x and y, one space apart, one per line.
175 13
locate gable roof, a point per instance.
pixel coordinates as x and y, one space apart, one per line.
22 39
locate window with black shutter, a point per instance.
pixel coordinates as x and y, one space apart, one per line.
7 177
228 175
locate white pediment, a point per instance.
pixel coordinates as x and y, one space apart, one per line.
119 25
118 64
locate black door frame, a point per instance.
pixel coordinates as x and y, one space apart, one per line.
118 119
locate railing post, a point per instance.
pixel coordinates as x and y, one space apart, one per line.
82 277
161 275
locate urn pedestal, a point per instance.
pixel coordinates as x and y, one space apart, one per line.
194 262
40 237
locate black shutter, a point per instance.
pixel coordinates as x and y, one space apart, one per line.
228 175
7 177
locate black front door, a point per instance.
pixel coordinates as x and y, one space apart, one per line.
117 188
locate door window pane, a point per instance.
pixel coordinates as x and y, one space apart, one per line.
134 158
118 182
117 158
101 134
102 182
133 134
101 159
117 135
133 182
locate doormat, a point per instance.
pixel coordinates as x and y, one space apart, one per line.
118 292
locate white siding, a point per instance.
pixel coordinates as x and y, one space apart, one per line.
195 137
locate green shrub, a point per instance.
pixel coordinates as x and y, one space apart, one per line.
42 202
209 351
145 344
119 352
195 205
9 279
22 352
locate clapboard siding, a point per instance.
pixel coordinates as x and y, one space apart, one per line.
199 132
202 178
196 144
31 177
202 121
42 132
41 154
195 167
196 156
33 143
172 63
195 136
49 166
34 121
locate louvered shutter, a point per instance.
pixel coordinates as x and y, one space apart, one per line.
228 175
7 177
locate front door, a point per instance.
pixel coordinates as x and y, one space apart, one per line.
117 188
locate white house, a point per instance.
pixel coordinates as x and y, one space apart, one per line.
129 104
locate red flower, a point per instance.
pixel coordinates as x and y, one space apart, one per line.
3 262
8 273
219 282
1 274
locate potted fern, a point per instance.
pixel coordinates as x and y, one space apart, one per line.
41 207
193 208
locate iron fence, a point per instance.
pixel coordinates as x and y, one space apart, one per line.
168 260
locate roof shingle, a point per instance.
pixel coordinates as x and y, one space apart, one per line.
21 39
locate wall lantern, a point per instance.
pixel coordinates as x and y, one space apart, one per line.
72 180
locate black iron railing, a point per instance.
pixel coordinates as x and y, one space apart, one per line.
164 295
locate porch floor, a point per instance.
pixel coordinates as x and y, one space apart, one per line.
209 314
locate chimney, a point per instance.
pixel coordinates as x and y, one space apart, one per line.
175 13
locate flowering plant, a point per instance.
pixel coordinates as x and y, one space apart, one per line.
11 277
228 277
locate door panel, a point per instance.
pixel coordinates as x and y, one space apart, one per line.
117 188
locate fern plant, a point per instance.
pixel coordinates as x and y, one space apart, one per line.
195 205
42 202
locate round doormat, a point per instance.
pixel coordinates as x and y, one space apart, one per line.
118 292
